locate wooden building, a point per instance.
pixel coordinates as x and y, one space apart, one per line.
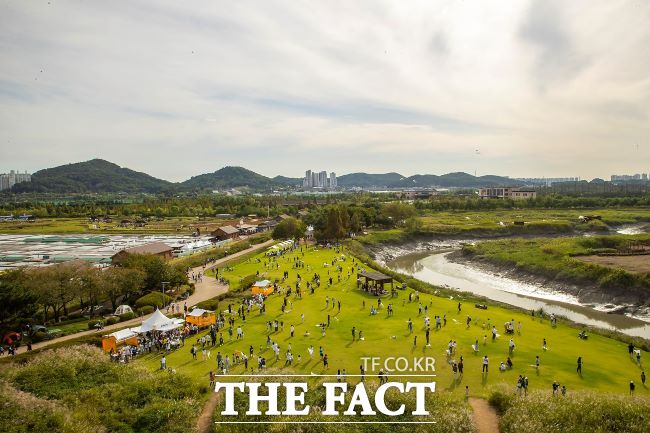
225 232
156 248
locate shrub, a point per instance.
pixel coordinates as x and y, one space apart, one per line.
501 400
580 412
92 324
147 309
39 336
154 299
112 320
126 316
210 304
247 282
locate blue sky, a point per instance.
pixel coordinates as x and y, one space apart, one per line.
175 89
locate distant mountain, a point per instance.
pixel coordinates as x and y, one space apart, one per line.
457 180
230 177
365 180
95 175
289 181
98 176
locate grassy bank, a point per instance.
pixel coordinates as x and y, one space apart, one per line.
577 412
556 259
78 389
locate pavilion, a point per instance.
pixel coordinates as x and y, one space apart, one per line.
375 282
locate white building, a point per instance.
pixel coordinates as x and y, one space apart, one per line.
320 179
8 180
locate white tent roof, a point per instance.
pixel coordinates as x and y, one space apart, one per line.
123 334
198 312
157 322
262 283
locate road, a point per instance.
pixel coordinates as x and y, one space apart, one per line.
206 289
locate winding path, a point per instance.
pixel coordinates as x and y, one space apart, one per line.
484 416
206 289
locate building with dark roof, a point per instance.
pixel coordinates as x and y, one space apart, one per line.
154 248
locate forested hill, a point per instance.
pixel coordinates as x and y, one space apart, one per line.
95 175
230 177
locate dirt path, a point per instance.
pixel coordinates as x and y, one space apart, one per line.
485 417
204 423
208 288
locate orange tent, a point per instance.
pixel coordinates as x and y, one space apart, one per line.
263 287
201 318
123 336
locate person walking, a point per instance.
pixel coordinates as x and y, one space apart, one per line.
485 364
632 387
643 378
579 369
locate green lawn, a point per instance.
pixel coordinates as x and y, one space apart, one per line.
607 366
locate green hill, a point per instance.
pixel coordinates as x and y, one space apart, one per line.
95 175
369 180
230 177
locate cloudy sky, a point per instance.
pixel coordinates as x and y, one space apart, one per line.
519 88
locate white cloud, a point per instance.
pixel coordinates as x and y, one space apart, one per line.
175 89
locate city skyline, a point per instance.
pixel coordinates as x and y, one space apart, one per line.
531 89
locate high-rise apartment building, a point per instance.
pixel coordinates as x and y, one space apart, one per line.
320 179
8 180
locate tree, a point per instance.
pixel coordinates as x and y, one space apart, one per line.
17 300
398 212
289 228
155 270
355 222
119 283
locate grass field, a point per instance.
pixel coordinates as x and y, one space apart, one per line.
607 366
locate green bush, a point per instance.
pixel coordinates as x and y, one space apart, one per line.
247 282
147 309
39 336
112 320
501 400
210 304
154 299
126 316
92 324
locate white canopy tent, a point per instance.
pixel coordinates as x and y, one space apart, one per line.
159 322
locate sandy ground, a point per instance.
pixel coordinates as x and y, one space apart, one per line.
637 264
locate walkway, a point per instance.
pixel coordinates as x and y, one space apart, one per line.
485 417
207 289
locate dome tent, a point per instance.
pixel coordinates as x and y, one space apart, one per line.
123 309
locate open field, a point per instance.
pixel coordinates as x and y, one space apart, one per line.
607 366
636 264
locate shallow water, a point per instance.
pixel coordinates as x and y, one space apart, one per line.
433 267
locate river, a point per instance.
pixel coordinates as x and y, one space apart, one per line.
430 264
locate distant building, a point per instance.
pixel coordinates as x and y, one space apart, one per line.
507 193
155 248
547 181
8 180
333 183
626 177
314 179
225 232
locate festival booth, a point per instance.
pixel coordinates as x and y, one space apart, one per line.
117 338
263 287
159 322
201 318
